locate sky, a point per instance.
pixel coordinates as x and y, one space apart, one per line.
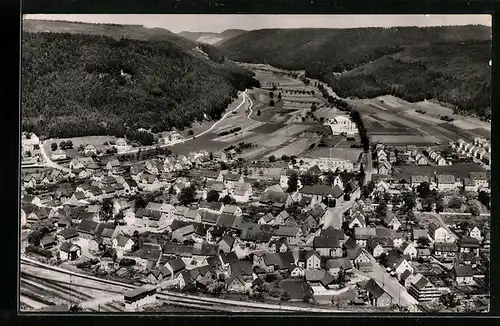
220 23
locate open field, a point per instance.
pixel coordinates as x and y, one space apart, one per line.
424 117
296 148
205 142
465 134
238 136
275 141
254 152
268 128
404 139
233 122
295 96
326 112
392 101
290 130
297 105
362 107
257 139
463 124
393 118
482 132
282 118
377 129
436 110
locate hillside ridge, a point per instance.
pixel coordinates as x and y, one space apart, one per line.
347 60
98 85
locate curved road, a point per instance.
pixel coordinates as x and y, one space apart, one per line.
250 108
195 136
49 162
225 115
52 164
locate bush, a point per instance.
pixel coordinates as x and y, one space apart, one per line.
40 251
94 261
270 278
127 262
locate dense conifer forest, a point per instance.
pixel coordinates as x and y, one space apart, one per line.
77 85
449 63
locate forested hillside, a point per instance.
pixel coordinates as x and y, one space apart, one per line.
134 32
454 73
395 58
73 85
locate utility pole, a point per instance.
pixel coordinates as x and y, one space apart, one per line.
70 290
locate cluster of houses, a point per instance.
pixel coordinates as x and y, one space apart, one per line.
410 154
260 232
479 149
436 157
449 184
384 160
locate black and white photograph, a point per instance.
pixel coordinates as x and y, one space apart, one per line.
255 163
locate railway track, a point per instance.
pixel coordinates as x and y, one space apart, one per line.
111 288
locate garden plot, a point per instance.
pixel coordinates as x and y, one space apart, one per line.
392 117
290 130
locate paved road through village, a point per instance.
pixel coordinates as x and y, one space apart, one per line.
391 285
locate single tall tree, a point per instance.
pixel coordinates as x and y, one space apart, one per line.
293 181
213 195
187 195
107 209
